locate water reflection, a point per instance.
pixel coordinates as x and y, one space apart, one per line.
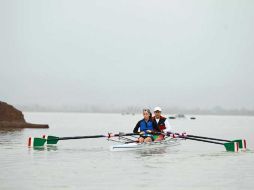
10 131
44 148
225 153
151 152
10 136
51 148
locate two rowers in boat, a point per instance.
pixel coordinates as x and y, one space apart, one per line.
150 124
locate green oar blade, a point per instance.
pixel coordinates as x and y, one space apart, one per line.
52 140
232 146
36 142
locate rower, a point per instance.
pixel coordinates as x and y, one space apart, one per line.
146 126
161 123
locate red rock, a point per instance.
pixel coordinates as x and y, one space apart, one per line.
11 117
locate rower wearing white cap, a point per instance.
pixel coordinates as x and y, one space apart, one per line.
161 122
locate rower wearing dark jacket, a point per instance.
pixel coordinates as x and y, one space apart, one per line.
161 123
146 126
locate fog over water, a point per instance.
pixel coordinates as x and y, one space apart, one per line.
173 53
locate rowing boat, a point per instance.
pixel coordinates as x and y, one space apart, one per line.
149 145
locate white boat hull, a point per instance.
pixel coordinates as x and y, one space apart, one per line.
141 146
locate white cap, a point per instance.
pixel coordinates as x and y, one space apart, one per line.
157 109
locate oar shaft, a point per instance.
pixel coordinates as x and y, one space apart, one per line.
208 138
94 136
81 137
195 139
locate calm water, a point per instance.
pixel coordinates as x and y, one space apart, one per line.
88 163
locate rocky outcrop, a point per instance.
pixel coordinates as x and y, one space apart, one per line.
11 117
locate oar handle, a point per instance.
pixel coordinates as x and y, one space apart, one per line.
124 134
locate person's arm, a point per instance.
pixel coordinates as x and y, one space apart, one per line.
168 126
135 130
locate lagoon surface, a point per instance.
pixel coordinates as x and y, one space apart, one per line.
89 163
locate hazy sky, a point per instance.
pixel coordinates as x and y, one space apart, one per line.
186 53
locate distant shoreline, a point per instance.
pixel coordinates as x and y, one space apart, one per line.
168 114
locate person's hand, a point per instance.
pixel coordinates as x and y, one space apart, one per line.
169 133
141 132
149 131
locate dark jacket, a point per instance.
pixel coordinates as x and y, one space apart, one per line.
161 124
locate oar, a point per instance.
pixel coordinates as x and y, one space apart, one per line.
242 142
232 146
53 139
